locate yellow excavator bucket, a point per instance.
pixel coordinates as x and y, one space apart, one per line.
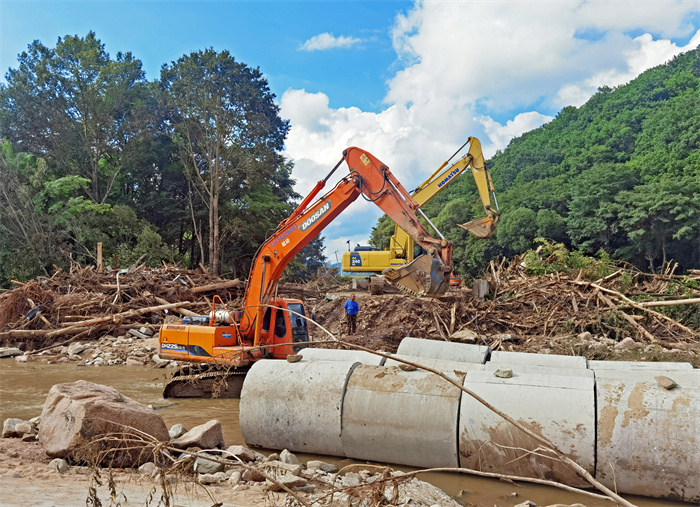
481 228
425 276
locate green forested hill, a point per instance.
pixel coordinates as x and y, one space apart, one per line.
621 173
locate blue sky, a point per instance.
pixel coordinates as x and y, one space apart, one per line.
407 80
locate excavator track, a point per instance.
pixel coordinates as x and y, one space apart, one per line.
206 381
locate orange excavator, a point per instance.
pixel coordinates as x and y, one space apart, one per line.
223 344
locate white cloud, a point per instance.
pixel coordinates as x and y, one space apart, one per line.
500 135
324 41
463 64
644 53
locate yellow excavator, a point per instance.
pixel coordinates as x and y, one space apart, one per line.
402 248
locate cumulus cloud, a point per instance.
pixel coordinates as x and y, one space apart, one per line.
500 135
643 54
459 65
324 41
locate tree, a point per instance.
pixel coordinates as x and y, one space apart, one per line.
661 211
29 244
306 263
227 128
78 108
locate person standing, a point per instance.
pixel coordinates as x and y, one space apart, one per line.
351 310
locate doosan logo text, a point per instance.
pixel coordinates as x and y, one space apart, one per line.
318 214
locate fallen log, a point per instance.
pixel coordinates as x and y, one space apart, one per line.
229 284
118 317
178 309
676 302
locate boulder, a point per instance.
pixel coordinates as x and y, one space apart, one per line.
76 414
76 348
322 465
25 427
252 475
206 466
9 427
288 457
241 452
177 430
465 336
204 436
627 344
10 352
60 465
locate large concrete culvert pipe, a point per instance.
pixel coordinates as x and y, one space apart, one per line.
554 403
634 432
648 439
295 406
406 417
449 351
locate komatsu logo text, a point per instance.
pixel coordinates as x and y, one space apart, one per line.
313 218
448 178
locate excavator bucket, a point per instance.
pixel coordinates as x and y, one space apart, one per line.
425 276
481 228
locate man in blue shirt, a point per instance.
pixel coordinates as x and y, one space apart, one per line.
351 310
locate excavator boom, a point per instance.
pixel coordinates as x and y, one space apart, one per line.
402 251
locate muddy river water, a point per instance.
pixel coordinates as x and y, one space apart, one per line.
23 389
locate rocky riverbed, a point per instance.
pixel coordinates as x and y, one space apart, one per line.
189 467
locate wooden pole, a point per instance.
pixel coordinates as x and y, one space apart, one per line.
100 263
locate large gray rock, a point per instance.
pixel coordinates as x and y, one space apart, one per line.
75 415
204 436
206 466
10 352
9 427
241 452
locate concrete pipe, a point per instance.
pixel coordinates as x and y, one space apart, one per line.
648 434
636 365
436 364
462 352
356 356
559 406
555 360
295 406
405 417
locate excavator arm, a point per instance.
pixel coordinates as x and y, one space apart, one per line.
440 179
373 180
401 244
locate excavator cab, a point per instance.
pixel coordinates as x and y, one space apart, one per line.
286 327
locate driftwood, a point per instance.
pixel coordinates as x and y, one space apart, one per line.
228 284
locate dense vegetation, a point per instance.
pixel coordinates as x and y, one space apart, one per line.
620 175
187 168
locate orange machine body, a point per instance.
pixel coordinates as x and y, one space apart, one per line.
284 331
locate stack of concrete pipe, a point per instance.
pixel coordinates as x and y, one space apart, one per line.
630 430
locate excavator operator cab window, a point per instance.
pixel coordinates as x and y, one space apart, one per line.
300 331
266 319
280 324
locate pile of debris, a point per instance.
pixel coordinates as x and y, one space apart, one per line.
559 313
87 304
